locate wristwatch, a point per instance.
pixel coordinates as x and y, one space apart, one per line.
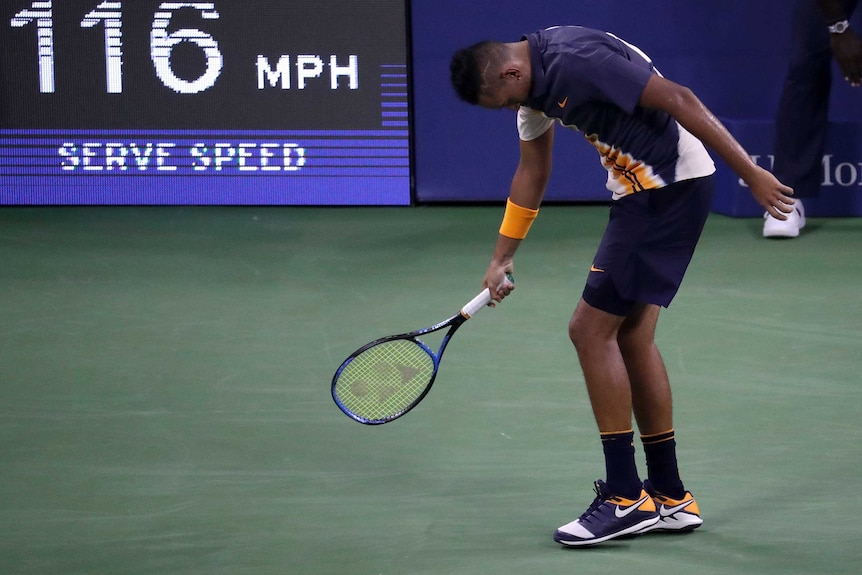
839 27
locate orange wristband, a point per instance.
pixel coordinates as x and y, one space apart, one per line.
517 221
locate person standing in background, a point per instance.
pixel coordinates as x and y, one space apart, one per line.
821 32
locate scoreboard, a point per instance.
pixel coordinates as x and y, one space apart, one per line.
212 102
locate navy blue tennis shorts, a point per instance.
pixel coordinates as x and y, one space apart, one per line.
647 246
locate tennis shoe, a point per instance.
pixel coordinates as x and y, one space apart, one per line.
680 515
607 517
789 228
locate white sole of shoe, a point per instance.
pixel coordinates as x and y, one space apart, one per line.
682 524
780 233
641 527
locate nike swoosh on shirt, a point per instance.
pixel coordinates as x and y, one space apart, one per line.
668 511
593 268
563 103
620 512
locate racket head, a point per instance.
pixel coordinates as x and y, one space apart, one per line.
384 379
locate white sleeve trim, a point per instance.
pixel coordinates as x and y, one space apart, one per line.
532 123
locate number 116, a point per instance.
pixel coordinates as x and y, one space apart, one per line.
161 43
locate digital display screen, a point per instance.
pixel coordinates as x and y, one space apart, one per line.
237 102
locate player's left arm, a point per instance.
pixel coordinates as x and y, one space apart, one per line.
684 106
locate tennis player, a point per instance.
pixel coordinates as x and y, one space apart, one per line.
650 134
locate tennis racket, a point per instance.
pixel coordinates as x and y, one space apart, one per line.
386 378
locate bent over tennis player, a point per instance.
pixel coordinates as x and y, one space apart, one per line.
650 134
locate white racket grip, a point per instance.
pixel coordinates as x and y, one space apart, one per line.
476 304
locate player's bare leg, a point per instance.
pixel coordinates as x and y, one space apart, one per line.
651 395
594 334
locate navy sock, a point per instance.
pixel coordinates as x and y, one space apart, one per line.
622 474
662 469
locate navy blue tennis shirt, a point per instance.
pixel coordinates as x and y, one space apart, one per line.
591 81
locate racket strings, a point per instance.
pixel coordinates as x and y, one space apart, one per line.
385 379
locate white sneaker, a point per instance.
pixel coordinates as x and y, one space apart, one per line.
789 228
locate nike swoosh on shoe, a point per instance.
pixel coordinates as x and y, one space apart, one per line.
620 512
668 511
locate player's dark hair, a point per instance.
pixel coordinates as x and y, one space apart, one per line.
468 66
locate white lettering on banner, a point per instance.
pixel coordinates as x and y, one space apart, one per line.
247 157
308 67
170 157
109 156
842 174
272 77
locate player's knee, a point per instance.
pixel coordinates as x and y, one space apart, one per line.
631 340
589 328
580 334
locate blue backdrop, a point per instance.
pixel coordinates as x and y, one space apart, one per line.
732 54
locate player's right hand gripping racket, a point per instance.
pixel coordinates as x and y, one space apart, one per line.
386 378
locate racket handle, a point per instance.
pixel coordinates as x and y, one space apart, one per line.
476 303
480 300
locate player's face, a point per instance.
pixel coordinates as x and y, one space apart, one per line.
510 95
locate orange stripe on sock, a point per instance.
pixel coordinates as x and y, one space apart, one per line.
657 437
603 433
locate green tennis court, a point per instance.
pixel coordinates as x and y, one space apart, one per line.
165 404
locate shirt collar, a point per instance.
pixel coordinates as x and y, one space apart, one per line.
538 86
